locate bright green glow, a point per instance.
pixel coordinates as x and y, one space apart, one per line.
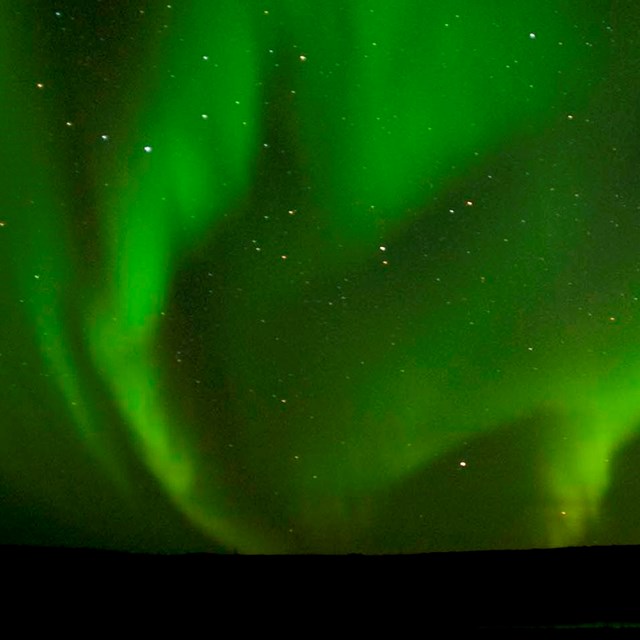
194 162
384 110
408 89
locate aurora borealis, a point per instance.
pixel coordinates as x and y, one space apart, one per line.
284 277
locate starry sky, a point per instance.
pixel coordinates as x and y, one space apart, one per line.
281 278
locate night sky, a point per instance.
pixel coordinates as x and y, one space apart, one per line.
281 276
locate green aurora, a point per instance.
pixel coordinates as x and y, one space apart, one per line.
281 279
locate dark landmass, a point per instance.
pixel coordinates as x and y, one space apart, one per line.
586 587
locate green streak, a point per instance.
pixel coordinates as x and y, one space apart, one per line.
401 95
191 154
37 257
